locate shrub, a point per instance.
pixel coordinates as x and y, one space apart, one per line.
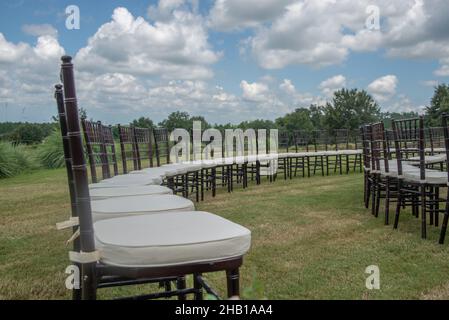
30 133
13 160
50 153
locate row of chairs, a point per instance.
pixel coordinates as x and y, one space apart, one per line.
130 230
144 148
407 166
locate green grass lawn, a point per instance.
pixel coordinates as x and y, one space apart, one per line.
311 239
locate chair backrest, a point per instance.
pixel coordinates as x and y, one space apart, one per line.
66 147
162 146
320 140
95 148
445 124
144 147
128 147
435 138
409 141
389 135
284 140
80 177
110 152
365 133
301 139
379 148
341 139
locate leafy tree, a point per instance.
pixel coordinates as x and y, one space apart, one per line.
438 105
143 122
298 119
204 123
29 133
350 109
387 117
257 124
175 120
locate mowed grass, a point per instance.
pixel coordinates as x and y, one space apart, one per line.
311 239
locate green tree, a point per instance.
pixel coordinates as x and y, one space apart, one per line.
387 117
438 105
298 119
177 119
350 108
143 122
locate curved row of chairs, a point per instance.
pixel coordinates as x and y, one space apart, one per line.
144 150
407 166
133 228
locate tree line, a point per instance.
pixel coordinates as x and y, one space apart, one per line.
348 108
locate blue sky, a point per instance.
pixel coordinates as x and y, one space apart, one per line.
227 60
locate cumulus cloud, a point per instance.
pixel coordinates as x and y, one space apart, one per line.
329 86
40 30
383 88
176 48
229 15
323 33
27 74
254 91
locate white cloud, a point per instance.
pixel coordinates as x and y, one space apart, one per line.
322 33
228 15
383 88
40 30
329 86
27 74
288 87
443 71
176 48
256 92
430 83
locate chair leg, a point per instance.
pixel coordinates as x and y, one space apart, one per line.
423 212
233 279
180 285
373 195
197 286
444 225
398 207
437 206
88 282
376 214
387 201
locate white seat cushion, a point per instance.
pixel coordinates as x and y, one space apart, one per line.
134 179
138 205
349 152
106 193
432 177
437 150
173 238
429 159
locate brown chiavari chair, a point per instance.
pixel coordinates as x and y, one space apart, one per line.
100 268
143 138
365 132
445 127
341 141
383 171
302 140
421 184
109 149
283 156
96 150
76 294
321 143
128 147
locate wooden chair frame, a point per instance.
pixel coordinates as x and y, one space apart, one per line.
94 273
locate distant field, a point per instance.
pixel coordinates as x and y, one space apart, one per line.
311 239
